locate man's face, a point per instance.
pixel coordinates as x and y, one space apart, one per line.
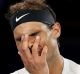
32 29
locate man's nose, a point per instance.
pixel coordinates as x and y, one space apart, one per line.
31 41
31 44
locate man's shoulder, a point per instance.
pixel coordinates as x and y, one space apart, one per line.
70 67
72 64
21 71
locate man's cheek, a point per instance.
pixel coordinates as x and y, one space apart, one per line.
19 46
41 46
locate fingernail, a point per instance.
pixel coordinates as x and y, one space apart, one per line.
37 37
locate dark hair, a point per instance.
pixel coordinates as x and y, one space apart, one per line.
29 4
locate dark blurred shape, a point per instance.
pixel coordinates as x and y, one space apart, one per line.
2 4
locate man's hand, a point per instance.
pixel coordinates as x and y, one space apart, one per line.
34 63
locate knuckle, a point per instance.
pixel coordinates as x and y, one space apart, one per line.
36 43
37 62
31 62
34 47
34 50
30 59
42 61
23 49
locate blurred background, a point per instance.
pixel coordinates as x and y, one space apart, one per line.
68 14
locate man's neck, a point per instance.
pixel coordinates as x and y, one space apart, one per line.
56 65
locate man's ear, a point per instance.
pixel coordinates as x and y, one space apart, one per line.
56 30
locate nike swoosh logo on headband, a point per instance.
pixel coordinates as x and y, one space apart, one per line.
17 19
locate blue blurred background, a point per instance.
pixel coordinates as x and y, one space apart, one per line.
68 15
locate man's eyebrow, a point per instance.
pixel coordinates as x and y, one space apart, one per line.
34 33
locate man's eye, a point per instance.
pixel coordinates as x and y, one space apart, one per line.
18 39
33 34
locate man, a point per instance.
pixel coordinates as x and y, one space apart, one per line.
36 32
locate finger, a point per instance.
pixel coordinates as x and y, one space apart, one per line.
24 60
24 48
24 41
35 47
44 52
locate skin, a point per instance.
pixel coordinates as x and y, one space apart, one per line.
44 57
